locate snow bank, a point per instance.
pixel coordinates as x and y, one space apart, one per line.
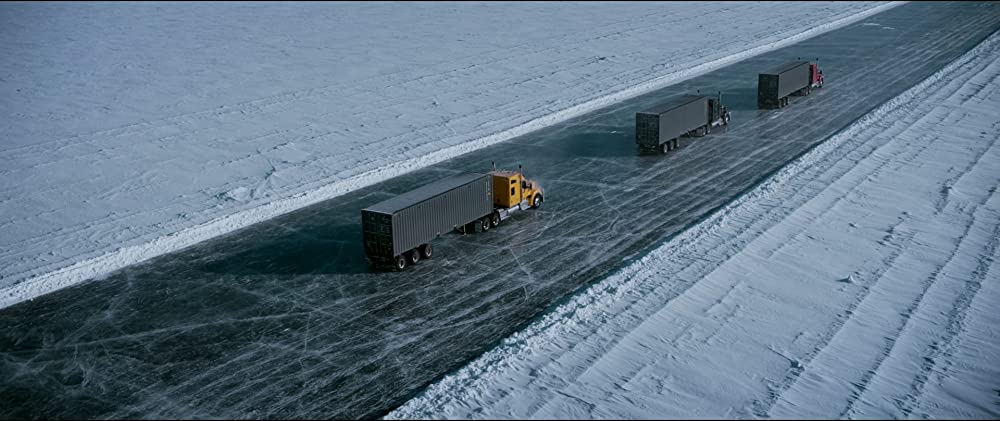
748 314
133 131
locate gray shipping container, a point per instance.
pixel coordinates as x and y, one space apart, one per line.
405 222
780 82
657 125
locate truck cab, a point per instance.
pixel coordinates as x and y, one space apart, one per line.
513 190
718 114
815 75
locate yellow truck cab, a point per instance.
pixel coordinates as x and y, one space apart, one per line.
512 191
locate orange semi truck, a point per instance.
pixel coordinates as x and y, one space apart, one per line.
398 231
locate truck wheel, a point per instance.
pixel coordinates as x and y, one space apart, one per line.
495 219
537 202
708 128
485 223
427 251
400 262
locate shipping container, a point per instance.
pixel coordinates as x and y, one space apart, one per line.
775 85
658 128
406 222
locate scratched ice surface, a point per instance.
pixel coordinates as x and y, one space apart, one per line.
284 319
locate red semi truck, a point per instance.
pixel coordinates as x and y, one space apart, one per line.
792 78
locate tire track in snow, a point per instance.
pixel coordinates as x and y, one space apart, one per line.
912 308
944 347
939 349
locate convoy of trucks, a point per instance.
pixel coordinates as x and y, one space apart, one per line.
398 231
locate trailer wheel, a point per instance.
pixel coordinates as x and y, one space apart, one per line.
485 223
414 256
664 148
400 262
537 202
495 219
427 251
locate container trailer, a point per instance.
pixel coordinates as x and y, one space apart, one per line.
659 128
792 78
398 231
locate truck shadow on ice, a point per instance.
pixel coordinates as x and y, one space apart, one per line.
606 143
338 250
330 249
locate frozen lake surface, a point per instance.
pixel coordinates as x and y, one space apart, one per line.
283 318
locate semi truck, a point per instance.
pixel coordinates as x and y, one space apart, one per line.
792 78
658 129
398 231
